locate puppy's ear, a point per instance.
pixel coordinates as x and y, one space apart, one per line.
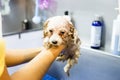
74 35
76 38
68 19
45 24
45 28
71 32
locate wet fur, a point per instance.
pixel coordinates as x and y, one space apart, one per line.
70 39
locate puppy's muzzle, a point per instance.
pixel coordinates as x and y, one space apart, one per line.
55 39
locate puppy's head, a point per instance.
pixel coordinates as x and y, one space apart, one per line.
58 30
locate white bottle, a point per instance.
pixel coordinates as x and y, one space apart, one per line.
67 15
115 44
96 30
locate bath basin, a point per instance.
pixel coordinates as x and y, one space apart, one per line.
92 65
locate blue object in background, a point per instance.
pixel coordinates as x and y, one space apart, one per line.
96 32
48 77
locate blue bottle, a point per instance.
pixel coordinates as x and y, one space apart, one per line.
96 30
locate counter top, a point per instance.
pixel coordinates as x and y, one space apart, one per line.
24 31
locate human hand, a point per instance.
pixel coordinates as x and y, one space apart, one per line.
55 50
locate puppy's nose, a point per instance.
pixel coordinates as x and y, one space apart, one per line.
54 42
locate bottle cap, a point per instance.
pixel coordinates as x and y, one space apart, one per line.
118 9
66 13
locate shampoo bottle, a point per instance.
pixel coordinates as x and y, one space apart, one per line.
69 15
66 13
96 30
115 45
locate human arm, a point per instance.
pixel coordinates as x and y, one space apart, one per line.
17 56
37 67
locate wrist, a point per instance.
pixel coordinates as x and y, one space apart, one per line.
55 51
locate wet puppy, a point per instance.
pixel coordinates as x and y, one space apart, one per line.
60 30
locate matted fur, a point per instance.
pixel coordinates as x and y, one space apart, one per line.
60 30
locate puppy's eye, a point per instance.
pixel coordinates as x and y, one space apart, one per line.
62 32
50 31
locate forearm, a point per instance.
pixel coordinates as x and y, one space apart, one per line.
36 68
18 56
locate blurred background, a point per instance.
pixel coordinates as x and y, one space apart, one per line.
22 22
81 11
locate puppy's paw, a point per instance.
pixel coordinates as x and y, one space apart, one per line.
60 58
66 70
